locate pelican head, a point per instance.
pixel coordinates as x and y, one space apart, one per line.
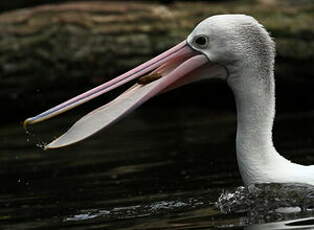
235 48
234 41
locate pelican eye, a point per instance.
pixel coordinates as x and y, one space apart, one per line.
201 41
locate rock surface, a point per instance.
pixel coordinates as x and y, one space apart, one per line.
64 49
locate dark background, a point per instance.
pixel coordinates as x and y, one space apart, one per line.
53 50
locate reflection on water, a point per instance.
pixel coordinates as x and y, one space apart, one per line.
269 202
268 196
153 170
304 223
141 210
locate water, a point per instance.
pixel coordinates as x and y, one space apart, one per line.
156 169
268 199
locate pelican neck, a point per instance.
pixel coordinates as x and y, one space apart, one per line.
254 94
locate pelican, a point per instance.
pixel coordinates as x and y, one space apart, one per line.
235 48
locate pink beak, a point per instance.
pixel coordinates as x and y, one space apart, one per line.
172 69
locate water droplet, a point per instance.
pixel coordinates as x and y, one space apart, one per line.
41 145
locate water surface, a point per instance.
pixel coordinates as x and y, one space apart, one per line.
159 168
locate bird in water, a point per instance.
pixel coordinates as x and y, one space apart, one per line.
235 48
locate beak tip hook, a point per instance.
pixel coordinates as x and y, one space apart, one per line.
27 122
